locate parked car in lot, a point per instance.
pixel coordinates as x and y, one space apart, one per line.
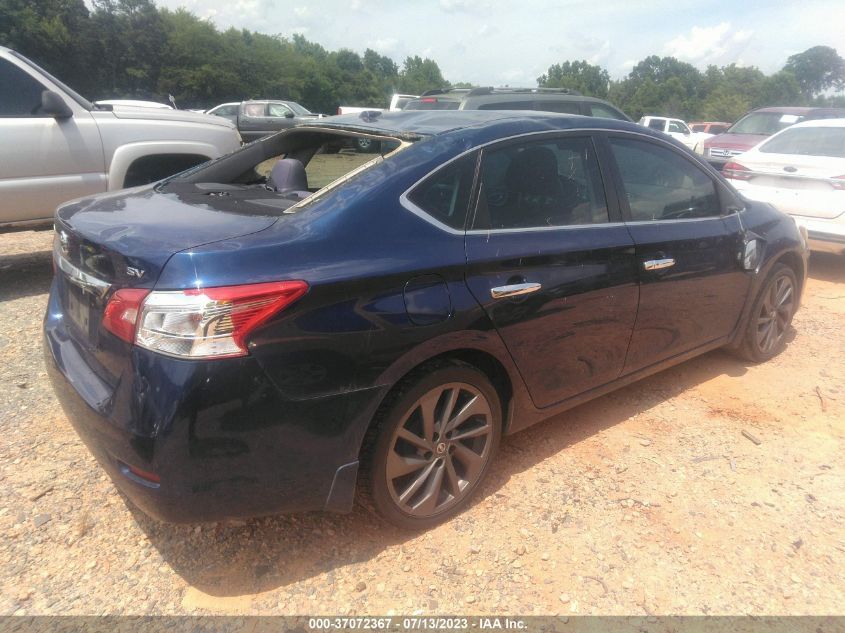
757 126
542 99
283 326
257 119
709 127
801 171
677 129
397 102
56 145
226 110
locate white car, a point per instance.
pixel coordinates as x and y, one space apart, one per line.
677 129
801 171
55 145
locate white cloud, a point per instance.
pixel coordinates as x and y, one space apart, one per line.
301 12
463 5
385 46
709 44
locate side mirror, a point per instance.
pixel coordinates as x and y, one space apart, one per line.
289 114
53 104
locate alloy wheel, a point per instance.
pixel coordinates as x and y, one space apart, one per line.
439 449
775 313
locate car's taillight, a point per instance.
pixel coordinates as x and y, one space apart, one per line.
202 323
736 171
429 100
121 313
838 182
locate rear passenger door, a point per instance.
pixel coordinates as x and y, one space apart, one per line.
552 264
692 285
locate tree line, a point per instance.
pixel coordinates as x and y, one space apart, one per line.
134 49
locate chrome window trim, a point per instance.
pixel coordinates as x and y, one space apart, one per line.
421 213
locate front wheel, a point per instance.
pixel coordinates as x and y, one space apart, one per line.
432 446
771 316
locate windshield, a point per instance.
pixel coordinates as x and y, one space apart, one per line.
298 109
764 123
808 141
432 103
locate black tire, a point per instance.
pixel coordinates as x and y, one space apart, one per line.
445 466
771 316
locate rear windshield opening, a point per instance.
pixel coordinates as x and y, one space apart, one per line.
282 171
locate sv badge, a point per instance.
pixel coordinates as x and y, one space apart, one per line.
134 272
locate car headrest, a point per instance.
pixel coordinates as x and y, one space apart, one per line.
287 175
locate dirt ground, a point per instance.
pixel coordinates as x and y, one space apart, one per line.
647 501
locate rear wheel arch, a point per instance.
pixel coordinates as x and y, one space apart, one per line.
483 361
153 167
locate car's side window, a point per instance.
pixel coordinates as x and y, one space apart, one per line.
657 124
603 112
661 185
20 95
445 194
563 107
254 109
278 109
677 128
227 110
541 184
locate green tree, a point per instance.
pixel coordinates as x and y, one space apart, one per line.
817 69
419 75
586 78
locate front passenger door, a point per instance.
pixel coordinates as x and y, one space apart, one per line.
692 288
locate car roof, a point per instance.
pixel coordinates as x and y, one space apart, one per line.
796 110
417 123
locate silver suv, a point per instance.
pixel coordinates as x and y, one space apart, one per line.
57 146
544 99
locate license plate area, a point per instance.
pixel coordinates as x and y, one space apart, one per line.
78 308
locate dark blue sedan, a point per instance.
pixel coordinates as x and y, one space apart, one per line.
296 324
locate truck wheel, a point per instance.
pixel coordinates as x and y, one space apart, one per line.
149 169
367 145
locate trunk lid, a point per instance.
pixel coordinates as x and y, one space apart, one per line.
124 240
796 184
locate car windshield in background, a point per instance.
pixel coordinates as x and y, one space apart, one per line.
298 109
766 123
432 103
808 141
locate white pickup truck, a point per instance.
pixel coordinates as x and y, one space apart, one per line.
56 145
677 129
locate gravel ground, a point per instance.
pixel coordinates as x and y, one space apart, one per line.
646 501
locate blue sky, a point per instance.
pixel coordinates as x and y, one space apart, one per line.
492 42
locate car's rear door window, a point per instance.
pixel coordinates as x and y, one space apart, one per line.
660 184
541 184
445 194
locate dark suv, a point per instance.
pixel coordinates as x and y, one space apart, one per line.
543 99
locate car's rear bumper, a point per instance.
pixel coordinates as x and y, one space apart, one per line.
825 235
218 435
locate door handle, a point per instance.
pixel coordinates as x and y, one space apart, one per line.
659 264
514 290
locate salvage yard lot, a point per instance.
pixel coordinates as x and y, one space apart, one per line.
648 501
